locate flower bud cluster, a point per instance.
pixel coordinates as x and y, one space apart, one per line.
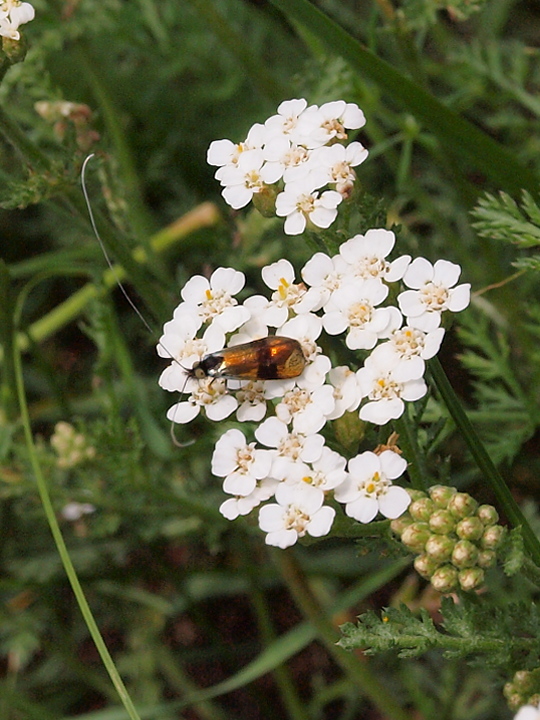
71 447
523 692
455 538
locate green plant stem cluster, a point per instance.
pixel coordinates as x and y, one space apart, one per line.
455 538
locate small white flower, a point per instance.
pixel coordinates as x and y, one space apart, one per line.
366 256
225 152
179 344
300 510
346 391
338 162
353 308
384 392
322 124
528 712
300 203
290 446
305 328
306 409
212 300
240 463
243 505
411 348
286 159
212 395
286 121
326 473
368 488
325 275
243 180
433 292
287 296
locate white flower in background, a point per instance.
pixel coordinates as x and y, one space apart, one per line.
74 511
301 202
306 409
433 292
347 394
385 394
368 488
353 308
299 510
366 256
14 13
71 447
528 712
240 463
225 152
212 300
324 275
244 504
411 348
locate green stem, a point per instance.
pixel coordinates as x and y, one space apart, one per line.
21 143
407 439
482 459
61 546
359 672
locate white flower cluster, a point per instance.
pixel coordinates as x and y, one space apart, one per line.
14 13
291 159
528 712
289 461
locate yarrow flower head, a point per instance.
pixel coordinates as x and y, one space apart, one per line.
262 357
296 157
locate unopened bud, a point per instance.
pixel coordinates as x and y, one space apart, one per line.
439 547
442 522
445 579
486 558
441 494
487 514
465 554
462 505
470 528
399 524
471 578
416 494
422 509
414 536
493 537
523 681
265 200
425 565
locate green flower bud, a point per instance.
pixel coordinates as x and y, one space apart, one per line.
470 528
514 700
471 578
445 579
425 565
439 547
414 536
349 429
422 509
486 558
487 514
416 494
523 681
493 537
441 494
442 522
462 505
465 554
399 524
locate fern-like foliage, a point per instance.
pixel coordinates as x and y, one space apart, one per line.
500 217
502 637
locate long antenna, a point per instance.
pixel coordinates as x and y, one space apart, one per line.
146 324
